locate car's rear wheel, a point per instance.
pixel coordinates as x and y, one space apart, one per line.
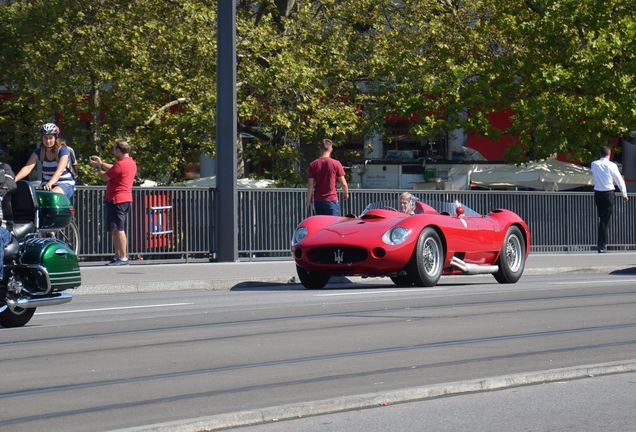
425 267
512 259
16 317
312 279
402 280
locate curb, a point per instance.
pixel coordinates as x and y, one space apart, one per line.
371 400
580 270
183 285
228 284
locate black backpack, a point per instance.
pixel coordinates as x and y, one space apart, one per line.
7 179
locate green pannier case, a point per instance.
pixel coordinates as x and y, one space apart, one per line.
55 210
56 257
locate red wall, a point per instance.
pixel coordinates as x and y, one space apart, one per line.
494 149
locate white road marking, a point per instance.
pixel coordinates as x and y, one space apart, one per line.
612 281
379 292
114 308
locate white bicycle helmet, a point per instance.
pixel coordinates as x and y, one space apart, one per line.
49 129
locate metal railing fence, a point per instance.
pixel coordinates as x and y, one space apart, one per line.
558 221
180 223
164 223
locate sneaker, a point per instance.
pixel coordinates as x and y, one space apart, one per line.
118 262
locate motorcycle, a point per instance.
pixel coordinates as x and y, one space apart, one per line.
37 270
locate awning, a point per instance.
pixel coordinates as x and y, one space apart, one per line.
546 175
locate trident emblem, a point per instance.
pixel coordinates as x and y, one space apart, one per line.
338 256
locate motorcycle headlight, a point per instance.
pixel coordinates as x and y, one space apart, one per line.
299 235
396 235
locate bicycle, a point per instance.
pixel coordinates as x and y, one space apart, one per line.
70 235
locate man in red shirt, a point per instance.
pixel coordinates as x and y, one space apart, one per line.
119 179
321 184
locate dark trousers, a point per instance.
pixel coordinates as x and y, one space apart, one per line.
604 206
5 239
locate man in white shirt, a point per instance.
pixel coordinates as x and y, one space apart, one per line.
606 175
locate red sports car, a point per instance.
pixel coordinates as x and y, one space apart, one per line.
414 248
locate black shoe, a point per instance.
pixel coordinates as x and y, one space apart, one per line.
602 251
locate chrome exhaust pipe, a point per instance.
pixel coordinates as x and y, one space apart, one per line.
33 302
473 268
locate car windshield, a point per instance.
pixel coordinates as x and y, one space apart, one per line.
440 207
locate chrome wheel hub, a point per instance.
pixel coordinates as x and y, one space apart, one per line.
513 253
432 259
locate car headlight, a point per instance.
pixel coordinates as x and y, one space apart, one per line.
299 235
396 235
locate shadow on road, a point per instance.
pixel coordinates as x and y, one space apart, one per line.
625 271
292 285
266 286
335 283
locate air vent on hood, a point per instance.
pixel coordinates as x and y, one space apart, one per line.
371 216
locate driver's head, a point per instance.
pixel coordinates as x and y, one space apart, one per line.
407 203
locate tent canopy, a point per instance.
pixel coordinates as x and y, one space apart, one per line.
547 175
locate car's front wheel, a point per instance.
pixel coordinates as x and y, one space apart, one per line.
425 267
512 259
16 317
312 279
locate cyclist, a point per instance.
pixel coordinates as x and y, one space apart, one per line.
54 156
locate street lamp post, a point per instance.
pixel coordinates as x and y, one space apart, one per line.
226 132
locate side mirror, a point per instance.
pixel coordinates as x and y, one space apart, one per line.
459 211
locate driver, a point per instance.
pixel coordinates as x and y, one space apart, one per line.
407 203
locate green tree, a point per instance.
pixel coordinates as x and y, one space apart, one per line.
123 63
564 67
145 70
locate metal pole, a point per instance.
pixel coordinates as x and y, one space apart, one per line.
226 131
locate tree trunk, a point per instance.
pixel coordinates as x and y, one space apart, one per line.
96 120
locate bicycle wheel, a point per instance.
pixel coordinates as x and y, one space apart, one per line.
70 236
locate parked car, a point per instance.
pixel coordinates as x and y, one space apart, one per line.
440 238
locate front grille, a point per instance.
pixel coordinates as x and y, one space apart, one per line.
338 255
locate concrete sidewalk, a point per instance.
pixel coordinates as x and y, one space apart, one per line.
225 276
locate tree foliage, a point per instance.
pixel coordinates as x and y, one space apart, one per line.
574 64
119 62
145 70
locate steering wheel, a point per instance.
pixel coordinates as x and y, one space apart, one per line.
388 208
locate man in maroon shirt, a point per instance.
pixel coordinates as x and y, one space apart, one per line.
119 181
321 185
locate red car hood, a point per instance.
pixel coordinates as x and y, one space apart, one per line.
352 231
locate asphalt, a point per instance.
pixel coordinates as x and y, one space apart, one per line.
144 277
373 400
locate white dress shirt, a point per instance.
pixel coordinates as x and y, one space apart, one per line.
606 174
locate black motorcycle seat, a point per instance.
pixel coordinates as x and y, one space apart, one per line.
11 250
20 230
